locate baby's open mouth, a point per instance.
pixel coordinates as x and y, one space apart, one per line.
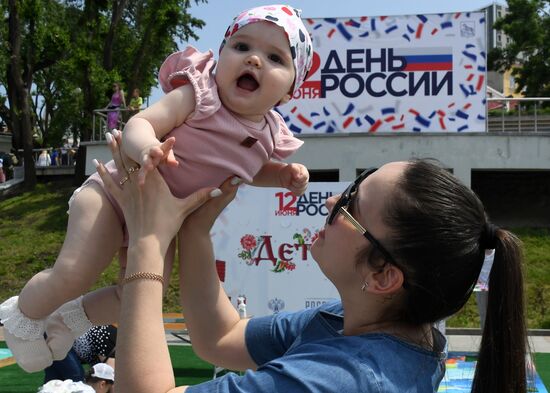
247 82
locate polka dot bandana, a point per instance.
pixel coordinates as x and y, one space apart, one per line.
289 19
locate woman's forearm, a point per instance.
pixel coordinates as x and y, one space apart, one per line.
141 340
216 331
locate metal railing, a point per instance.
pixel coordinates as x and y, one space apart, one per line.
99 121
65 156
503 114
517 115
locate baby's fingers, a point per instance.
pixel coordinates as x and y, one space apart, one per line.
171 159
167 146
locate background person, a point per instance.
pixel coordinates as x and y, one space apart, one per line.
97 345
482 287
136 102
2 175
101 377
44 159
377 248
66 386
117 101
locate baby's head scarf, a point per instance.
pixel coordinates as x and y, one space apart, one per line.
289 19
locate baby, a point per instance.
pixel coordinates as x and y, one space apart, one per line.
212 126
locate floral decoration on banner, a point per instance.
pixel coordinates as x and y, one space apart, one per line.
249 244
252 246
283 265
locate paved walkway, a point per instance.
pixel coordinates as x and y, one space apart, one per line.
464 343
457 342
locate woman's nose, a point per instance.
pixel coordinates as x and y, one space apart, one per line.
254 61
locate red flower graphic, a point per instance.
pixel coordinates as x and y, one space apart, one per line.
248 242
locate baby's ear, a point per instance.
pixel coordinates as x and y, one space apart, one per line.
285 99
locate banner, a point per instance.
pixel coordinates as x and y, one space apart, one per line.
261 242
397 73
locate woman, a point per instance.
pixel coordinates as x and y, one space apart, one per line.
403 245
117 101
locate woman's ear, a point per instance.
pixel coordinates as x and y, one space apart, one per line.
386 282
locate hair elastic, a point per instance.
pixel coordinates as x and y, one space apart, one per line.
488 239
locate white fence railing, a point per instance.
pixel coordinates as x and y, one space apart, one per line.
518 114
56 156
100 121
503 114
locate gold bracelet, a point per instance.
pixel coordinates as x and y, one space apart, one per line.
143 276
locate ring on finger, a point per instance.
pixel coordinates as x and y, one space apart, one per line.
133 169
124 180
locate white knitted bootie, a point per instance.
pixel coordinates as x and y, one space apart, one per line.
25 337
65 325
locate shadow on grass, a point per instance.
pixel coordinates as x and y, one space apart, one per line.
48 201
181 372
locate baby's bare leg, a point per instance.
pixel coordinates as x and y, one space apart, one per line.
103 305
94 234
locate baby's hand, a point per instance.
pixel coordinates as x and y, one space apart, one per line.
153 156
294 177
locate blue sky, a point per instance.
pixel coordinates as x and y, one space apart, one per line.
218 14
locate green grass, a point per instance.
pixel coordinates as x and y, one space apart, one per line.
188 370
537 278
33 227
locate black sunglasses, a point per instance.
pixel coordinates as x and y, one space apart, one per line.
342 207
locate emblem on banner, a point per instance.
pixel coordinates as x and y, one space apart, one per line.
467 29
276 305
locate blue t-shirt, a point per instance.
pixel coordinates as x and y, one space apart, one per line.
305 352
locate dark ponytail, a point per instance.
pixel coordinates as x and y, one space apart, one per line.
439 232
501 365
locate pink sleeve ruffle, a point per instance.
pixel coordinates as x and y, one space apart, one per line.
192 66
285 141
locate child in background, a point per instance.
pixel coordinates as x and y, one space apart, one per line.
212 126
136 102
2 175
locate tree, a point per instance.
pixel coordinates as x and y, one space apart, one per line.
61 57
19 79
527 23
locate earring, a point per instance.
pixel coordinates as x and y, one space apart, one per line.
364 286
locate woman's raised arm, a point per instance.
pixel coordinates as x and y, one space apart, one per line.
153 217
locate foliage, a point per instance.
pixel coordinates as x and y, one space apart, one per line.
34 223
73 50
536 244
527 55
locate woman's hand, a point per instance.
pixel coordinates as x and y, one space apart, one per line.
150 210
202 219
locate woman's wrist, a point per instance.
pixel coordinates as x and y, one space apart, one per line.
146 255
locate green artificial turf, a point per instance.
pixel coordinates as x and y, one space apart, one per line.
188 370
542 364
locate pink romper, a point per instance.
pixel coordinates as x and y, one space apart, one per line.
213 143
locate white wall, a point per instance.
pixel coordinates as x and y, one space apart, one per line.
461 152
